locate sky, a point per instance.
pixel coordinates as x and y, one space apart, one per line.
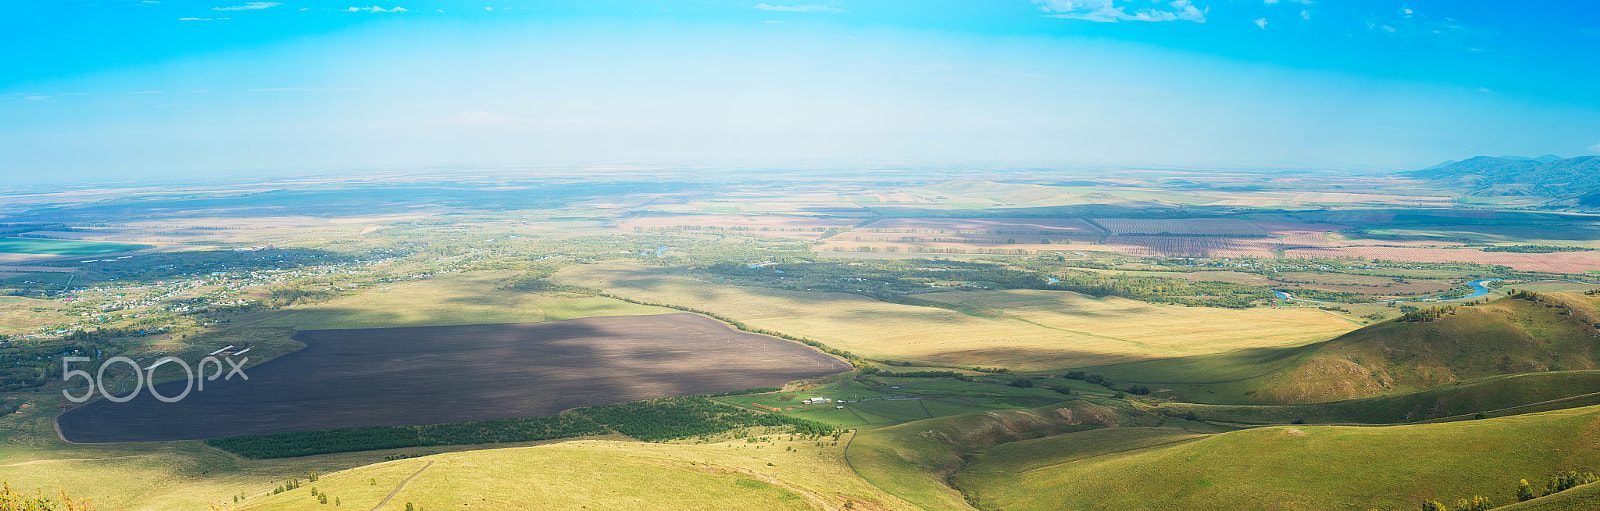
112 89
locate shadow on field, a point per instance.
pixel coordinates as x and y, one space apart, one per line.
433 375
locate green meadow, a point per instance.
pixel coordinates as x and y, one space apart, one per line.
43 246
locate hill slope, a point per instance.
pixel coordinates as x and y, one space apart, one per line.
1531 333
603 474
1487 176
1290 468
912 460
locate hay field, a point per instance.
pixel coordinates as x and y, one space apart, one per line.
1038 329
456 299
602 474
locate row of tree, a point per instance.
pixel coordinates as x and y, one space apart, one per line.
651 421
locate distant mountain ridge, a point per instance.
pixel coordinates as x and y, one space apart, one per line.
1546 176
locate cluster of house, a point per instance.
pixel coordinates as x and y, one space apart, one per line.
821 400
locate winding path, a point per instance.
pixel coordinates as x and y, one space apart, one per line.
402 485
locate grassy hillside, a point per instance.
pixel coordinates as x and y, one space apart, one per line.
1534 333
912 460
1582 498
1493 396
1290 468
773 474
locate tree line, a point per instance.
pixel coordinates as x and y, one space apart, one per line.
654 420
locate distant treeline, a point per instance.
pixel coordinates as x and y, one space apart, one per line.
886 280
651 421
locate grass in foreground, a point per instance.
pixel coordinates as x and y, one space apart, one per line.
773 473
1295 468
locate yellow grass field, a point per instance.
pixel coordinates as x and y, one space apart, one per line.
23 315
1034 330
460 299
605 474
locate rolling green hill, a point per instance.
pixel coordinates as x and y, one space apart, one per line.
1494 396
1284 467
1527 333
912 460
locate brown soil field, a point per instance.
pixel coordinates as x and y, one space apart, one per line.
1188 226
1292 228
1019 226
1560 262
434 375
1181 246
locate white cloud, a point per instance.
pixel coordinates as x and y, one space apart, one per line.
374 9
1595 148
1270 2
195 19
488 8
1304 13
828 7
248 6
1261 22
1106 11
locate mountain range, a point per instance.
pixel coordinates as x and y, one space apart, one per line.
1575 178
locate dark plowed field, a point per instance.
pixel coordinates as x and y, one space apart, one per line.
433 375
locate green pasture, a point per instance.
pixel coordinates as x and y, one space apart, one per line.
42 246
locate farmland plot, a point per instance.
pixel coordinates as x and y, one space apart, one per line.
435 375
1181 227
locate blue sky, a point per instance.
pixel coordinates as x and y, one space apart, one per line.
127 88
